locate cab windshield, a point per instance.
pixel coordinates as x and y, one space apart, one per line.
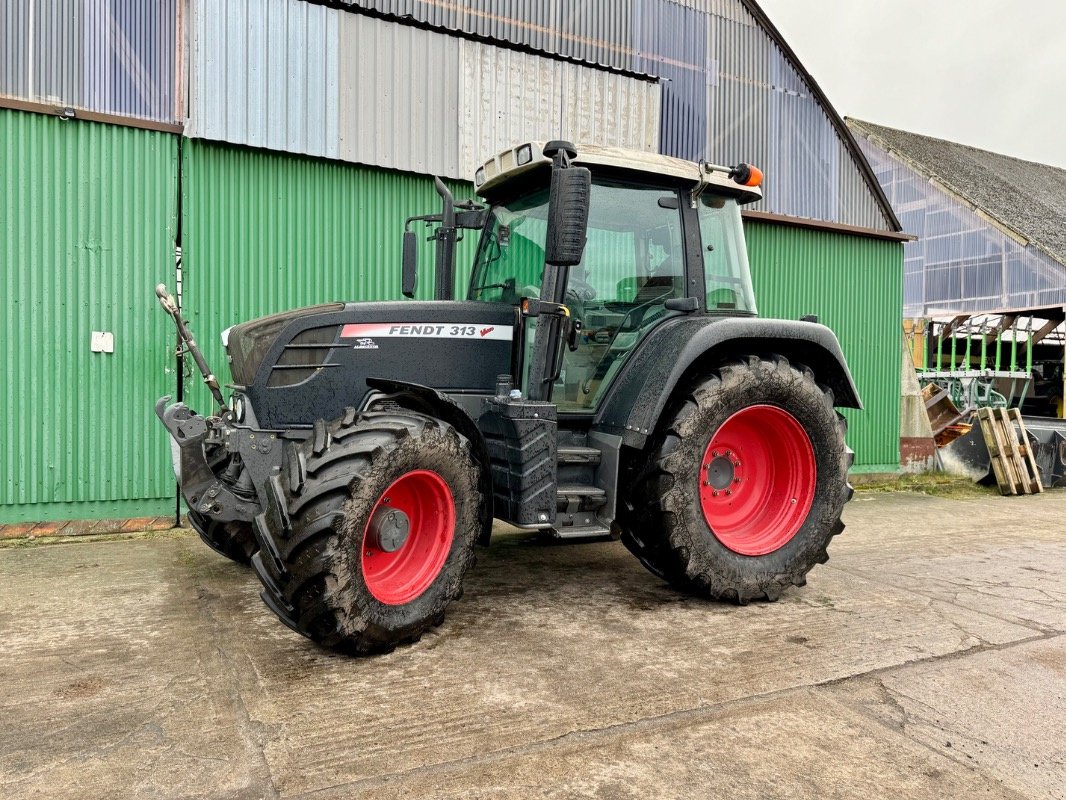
632 264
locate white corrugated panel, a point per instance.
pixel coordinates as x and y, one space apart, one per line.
399 97
508 96
264 73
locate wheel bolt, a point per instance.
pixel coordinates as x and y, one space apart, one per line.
729 491
714 494
736 480
714 454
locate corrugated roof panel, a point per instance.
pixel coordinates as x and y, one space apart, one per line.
109 56
960 261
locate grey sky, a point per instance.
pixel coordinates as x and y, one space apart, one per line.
981 72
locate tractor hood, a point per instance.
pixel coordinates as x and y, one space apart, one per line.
312 363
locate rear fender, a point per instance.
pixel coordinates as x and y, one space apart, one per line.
428 401
681 349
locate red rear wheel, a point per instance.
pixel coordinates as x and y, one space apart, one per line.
757 480
408 537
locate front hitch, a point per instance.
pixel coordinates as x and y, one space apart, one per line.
203 490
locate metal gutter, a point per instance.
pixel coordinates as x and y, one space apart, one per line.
822 225
68 112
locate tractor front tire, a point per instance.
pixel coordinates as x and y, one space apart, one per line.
742 486
234 540
369 530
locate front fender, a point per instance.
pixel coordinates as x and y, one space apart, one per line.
687 346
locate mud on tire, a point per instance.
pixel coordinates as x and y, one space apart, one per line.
315 530
665 525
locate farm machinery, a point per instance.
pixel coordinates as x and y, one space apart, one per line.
604 373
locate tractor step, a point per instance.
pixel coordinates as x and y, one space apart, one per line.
579 455
577 506
577 499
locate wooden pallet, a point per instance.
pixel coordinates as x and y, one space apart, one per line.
1008 446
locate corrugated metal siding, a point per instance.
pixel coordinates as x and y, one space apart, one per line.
110 56
265 232
730 93
265 74
960 262
317 81
399 95
797 271
507 97
761 110
662 28
596 31
91 213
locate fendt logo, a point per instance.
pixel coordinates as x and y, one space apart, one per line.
425 330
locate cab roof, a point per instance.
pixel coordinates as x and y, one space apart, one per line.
527 157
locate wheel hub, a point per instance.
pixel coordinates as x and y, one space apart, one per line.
720 473
389 529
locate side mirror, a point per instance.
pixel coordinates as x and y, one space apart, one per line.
568 216
410 264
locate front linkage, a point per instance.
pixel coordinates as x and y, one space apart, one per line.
218 462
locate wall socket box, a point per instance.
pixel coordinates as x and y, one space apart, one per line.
102 342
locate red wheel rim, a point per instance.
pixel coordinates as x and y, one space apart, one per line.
400 576
757 480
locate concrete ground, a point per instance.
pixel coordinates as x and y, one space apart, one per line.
926 660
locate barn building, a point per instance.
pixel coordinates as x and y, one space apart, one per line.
263 154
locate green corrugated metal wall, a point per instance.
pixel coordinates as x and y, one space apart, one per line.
89 215
855 285
265 232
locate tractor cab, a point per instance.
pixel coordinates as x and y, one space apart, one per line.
664 239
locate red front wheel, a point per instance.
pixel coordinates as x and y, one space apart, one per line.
381 513
408 537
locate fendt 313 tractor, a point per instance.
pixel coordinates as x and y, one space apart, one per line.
605 373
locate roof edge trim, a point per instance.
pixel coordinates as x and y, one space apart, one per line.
506 44
828 227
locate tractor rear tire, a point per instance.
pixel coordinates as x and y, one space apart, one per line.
234 540
743 484
337 563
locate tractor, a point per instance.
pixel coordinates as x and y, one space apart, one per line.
605 375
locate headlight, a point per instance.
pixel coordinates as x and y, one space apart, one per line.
238 407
